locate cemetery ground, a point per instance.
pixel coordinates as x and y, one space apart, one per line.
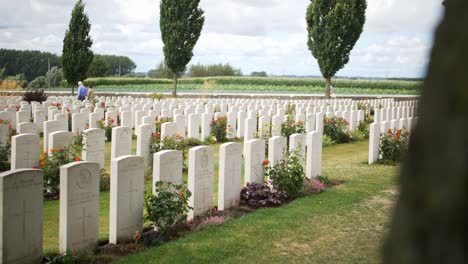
344 224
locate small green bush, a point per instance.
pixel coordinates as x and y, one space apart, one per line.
337 129
393 144
168 208
39 82
219 129
287 175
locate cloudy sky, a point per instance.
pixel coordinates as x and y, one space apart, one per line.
255 35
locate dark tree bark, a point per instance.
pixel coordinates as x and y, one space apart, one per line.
430 224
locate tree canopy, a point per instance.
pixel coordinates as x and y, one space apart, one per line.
334 27
181 22
31 63
77 55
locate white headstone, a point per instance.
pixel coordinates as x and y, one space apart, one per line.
254 157
94 146
314 154
143 143
79 207
21 209
27 128
167 167
230 173
126 198
121 144
59 139
374 142
200 180
276 148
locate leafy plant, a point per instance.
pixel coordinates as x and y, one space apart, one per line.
5 153
337 129
107 126
219 129
287 175
290 127
256 195
327 141
39 82
50 164
168 208
393 144
35 96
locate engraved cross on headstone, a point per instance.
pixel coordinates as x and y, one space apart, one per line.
83 221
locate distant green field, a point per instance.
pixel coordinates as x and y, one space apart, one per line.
255 85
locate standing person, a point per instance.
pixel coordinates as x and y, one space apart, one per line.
91 94
82 91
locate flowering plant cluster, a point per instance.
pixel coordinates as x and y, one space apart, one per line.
50 164
337 129
392 144
159 121
287 175
220 129
107 126
290 127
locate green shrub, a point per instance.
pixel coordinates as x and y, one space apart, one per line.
393 144
168 208
50 164
219 129
54 77
39 82
107 126
287 175
327 141
290 127
337 129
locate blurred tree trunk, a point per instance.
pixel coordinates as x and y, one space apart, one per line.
430 224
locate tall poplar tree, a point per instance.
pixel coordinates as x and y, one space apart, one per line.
334 27
77 55
181 22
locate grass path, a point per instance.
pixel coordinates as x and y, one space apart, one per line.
345 224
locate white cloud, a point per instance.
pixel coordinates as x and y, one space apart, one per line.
252 34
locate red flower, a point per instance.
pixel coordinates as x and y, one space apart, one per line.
407 133
266 162
77 159
36 167
60 149
52 150
212 121
155 135
112 121
42 164
390 132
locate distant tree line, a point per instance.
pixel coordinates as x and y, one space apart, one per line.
196 71
38 69
31 63
109 65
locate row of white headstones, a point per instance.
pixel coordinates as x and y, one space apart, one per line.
22 187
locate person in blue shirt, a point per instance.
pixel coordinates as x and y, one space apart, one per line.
82 91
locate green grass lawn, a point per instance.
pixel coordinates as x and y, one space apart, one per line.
345 224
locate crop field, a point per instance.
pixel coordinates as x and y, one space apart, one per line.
255 85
